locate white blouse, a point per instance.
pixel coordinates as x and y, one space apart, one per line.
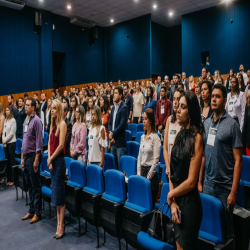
9 131
235 107
96 144
149 154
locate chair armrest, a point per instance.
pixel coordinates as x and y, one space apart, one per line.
146 219
119 204
227 245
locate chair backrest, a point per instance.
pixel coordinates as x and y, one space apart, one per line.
68 160
138 137
45 138
45 167
128 164
162 161
19 143
159 135
133 128
87 143
139 192
213 216
133 149
77 173
164 198
115 184
109 162
128 135
95 178
245 171
240 200
140 127
163 174
2 154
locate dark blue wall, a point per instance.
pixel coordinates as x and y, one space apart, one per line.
128 58
211 30
83 63
166 50
25 63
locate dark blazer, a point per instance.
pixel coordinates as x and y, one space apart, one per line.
172 90
186 84
44 111
68 136
119 133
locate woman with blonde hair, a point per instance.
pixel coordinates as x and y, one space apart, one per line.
79 133
97 139
2 118
216 76
56 163
48 114
191 84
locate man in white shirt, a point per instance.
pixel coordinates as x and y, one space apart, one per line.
245 78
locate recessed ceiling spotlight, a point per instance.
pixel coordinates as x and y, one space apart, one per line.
170 13
111 20
69 7
40 0
154 6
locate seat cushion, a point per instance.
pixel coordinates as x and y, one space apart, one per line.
111 198
45 173
18 160
135 207
209 237
150 243
91 190
74 184
46 191
246 183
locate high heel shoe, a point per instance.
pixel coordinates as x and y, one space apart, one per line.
55 235
61 236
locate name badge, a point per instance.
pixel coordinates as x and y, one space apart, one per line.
162 110
171 136
230 106
91 137
26 127
211 136
88 117
102 120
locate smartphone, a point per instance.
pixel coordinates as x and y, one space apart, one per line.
179 215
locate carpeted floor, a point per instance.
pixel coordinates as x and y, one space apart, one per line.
16 234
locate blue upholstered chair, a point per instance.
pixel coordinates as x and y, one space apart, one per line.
68 160
109 162
212 230
46 196
45 172
128 164
164 198
91 197
245 171
137 212
87 143
3 165
140 127
18 152
240 201
128 135
133 128
133 149
112 203
73 190
138 136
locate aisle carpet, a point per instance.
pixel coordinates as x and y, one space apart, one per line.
16 234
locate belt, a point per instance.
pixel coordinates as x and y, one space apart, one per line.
30 154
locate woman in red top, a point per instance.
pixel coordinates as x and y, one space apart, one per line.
191 84
56 163
104 105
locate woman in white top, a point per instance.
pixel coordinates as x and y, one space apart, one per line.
236 103
97 139
138 104
149 153
9 142
2 118
171 129
89 112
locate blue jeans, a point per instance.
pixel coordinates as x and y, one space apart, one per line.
221 193
117 152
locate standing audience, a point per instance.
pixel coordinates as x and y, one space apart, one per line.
20 116
137 104
2 118
206 92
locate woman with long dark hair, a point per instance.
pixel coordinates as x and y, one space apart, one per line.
228 81
198 91
149 153
111 102
104 105
150 101
73 105
82 101
236 102
137 104
172 128
241 83
206 93
89 112
185 165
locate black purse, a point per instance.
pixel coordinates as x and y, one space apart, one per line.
161 226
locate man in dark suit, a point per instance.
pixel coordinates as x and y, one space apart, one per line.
184 81
176 79
117 126
43 107
69 130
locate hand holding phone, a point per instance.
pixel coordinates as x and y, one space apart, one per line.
179 215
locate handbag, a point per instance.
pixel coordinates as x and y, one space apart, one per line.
161 226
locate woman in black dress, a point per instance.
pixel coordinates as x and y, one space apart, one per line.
185 165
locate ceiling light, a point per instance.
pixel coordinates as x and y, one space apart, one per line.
111 20
170 13
69 7
154 6
40 0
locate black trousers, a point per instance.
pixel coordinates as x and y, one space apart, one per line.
33 183
135 120
9 151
